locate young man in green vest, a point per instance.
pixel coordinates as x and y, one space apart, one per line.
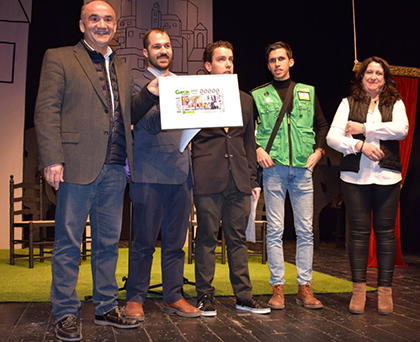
288 167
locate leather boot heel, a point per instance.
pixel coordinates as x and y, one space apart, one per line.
385 305
358 299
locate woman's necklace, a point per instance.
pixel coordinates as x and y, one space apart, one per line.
373 102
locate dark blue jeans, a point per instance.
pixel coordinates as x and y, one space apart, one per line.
362 203
103 201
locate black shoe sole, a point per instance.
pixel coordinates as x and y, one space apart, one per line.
68 339
116 325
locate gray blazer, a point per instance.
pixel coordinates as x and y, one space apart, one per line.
72 115
156 156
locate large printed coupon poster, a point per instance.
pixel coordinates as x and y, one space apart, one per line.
199 101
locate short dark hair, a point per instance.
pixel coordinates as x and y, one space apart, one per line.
278 45
389 92
88 2
208 51
146 40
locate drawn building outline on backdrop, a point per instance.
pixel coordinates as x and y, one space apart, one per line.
12 12
180 18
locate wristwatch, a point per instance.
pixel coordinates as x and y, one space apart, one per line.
321 150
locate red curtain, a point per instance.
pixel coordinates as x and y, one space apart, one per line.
408 88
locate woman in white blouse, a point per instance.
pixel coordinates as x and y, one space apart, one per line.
366 129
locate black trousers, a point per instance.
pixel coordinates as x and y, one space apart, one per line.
364 202
233 208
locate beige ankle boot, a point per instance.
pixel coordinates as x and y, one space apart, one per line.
358 299
385 305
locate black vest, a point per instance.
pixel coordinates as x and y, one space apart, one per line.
391 148
117 149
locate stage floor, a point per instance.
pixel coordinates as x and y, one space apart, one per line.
34 322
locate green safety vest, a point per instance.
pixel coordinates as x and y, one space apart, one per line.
295 139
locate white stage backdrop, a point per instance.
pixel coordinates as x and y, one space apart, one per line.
188 22
15 16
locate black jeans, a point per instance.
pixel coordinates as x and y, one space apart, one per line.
363 202
232 207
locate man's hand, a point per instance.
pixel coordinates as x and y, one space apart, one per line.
313 159
153 86
54 175
256 193
264 158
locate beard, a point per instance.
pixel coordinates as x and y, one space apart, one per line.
154 62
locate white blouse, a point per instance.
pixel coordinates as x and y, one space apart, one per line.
370 172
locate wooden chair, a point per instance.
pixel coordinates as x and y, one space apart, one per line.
192 226
28 226
26 219
259 247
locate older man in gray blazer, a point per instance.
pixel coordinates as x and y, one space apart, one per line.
82 120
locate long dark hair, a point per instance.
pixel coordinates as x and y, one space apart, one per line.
389 93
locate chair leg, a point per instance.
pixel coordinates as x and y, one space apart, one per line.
11 220
31 245
190 243
223 248
264 244
41 246
12 255
84 248
12 246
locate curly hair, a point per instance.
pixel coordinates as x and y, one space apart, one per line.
389 93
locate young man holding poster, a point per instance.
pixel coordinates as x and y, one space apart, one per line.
161 195
224 178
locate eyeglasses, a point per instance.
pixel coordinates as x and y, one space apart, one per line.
377 73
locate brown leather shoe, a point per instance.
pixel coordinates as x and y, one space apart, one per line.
358 299
134 310
277 300
385 304
306 298
181 308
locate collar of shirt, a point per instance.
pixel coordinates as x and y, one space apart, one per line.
108 53
157 72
